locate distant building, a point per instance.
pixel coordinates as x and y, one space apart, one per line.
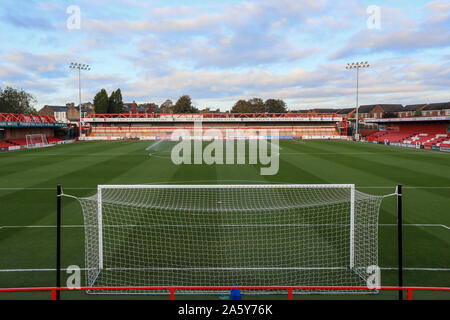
347 113
133 107
59 112
67 113
378 110
73 113
323 110
409 110
436 109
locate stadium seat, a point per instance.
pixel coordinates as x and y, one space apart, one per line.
416 134
17 142
4 144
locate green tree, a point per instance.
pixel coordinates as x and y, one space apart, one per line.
184 105
101 102
115 103
242 106
167 106
275 106
119 106
16 101
111 102
257 105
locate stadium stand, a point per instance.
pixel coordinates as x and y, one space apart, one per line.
23 142
53 139
17 142
133 131
4 144
15 128
143 126
421 133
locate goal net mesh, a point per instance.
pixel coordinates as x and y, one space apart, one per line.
284 235
36 140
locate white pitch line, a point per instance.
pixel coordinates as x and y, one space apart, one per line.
46 188
415 225
300 268
169 225
417 269
95 188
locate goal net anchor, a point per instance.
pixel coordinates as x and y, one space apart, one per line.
213 235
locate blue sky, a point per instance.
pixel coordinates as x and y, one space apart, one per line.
222 51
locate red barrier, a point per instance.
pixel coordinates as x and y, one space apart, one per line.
12 117
215 115
172 289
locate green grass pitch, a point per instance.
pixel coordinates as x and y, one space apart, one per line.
28 182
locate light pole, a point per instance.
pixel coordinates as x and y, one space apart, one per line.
357 66
79 66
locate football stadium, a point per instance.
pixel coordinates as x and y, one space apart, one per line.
185 156
130 218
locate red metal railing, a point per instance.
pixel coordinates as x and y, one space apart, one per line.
214 115
172 289
12 117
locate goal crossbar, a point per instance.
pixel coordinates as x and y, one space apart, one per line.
221 186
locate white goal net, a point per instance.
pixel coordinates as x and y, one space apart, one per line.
220 235
36 140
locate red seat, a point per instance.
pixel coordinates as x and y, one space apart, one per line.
423 134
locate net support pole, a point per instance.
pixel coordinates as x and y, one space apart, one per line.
100 228
58 239
352 226
400 240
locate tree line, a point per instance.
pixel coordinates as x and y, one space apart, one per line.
257 105
114 104
183 105
254 105
16 101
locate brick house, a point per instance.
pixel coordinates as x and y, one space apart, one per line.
377 110
410 110
347 113
73 113
436 109
59 112
130 107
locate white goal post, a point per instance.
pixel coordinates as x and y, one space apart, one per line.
220 235
36 140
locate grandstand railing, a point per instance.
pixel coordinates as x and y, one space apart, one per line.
12 117
171 289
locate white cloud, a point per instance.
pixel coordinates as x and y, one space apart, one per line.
400 34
